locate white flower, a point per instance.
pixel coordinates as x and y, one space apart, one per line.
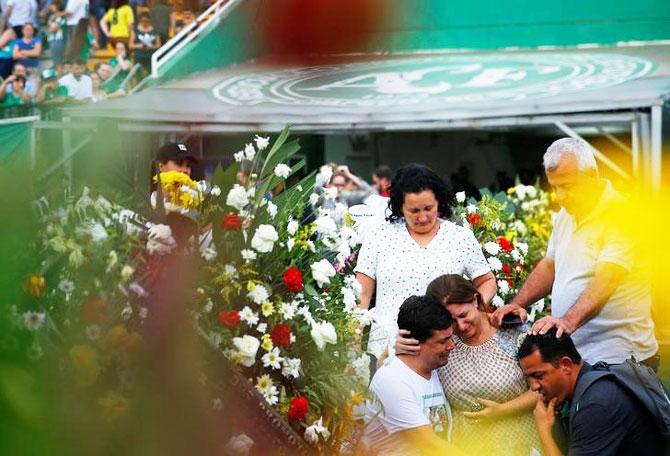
317 429
76 258
216 190
492 248
160 239
144 312
291 367
266 387
526 206
323 333
330 193
237 197
264 238
361 367
239 445
313 199
516 255
520 191
126 312
230 269
497 301
112 259
324 175
503 286
520 227
247 347
471 208
460 197
209 254
325 225
495 263
258 294
252 192
523 247
127 272
138 290
272 359
322 271
249 152
34 320
66 286
292 227
239 156
262 143
93 332
248 316
282 170
290 244
209 305
531 191
272 209
288 310
248 255
262 327
349 298
311 246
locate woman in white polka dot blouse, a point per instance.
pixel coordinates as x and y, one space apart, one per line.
401 257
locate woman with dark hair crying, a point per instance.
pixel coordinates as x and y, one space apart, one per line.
399 258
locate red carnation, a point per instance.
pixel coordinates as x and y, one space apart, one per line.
505 244
94 311
293 279
231 222
474 219
298 408
507 269
281 335
230 318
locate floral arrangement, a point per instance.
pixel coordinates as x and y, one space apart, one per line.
507 227
180 192
278 296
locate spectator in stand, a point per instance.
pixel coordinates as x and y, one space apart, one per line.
160 18
138 6
31 84
6 52
381 180
76 11
144 40
55 31
104 71
50 91
79 85
20 12
182 19
121 58
117 25
28 48
17 96
63 69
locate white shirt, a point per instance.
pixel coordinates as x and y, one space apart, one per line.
624 326
22 11
402 269
402 399
79 90
78 10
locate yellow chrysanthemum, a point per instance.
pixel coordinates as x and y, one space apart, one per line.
267 309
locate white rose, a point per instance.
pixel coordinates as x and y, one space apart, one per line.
349 298
261 142
520 191
324 175
239 156
497 301
523 247
471 208
503 286
531 191
325 225
264 238
246 346
249 152
317 428
248 255
282 170
322 271
272 209
313 199
215 191
237 197
259 294
323 333
492 248
292 227
495 263
290 244
460 197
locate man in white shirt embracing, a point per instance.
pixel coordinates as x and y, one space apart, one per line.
408 412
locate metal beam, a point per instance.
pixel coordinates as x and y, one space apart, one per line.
599 155
635 142
615 140
656 151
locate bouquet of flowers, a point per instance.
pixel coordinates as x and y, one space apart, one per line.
278 297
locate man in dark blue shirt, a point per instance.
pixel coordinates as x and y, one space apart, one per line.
607 420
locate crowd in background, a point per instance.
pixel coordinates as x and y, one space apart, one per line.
79 51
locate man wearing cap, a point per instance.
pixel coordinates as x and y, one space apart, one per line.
50 91
175 157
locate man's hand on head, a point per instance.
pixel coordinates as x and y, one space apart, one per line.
543 325
497 316
405 345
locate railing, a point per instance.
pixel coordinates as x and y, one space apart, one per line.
214 13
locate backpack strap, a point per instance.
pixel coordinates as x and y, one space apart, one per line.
586 380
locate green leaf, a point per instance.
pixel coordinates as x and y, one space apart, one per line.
275 147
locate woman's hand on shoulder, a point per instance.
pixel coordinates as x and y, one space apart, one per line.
404 345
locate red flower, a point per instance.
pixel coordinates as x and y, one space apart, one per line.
231 222
230 318
505 244
507 269
94 311
293 279
298 408
474 219
281 335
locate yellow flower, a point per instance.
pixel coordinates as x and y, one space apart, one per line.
113 406
511 191
121 344
267 309
35 285
266 342
84 359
